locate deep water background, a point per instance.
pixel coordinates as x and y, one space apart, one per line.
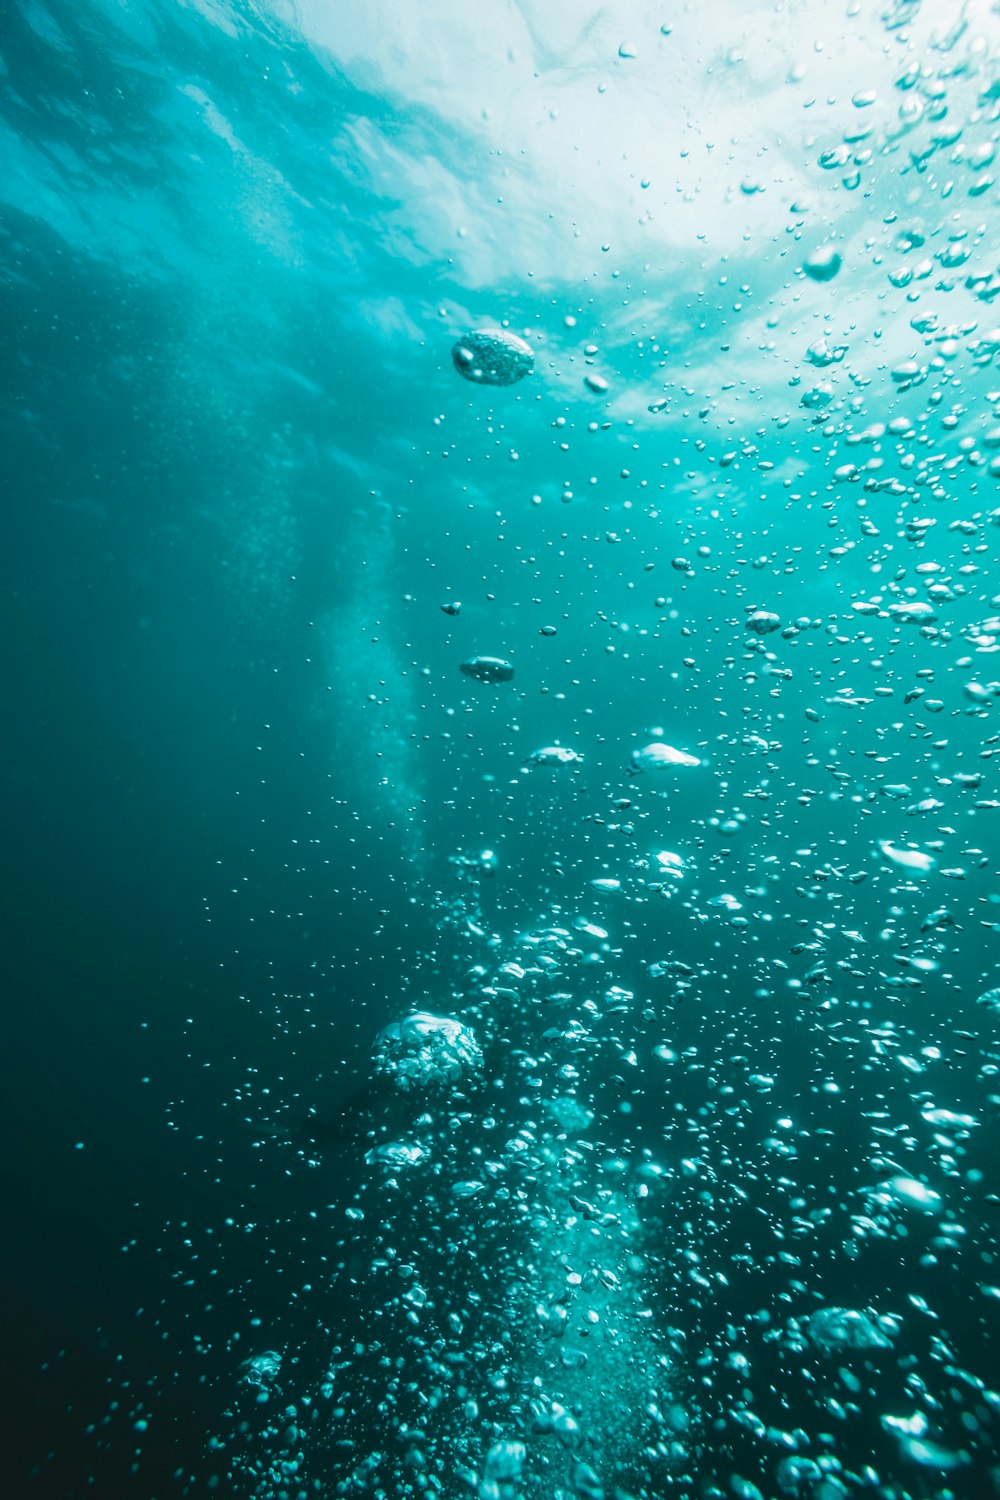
240 479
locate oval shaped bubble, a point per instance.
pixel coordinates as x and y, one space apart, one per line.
832 1330
554 755
822 264
425 1051
908 859
488 669
910 1192
947 1119
657 756
398 1155
932 1455
818 396
492 356
763 622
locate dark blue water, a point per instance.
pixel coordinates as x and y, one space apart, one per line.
733 1061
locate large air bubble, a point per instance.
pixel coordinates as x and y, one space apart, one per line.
834 1330
424 1051
492 356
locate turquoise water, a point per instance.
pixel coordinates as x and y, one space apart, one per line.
574 1075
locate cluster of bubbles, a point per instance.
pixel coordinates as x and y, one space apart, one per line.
498 1257
544 1280
607 1250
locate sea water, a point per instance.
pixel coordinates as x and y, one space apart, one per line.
503 626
